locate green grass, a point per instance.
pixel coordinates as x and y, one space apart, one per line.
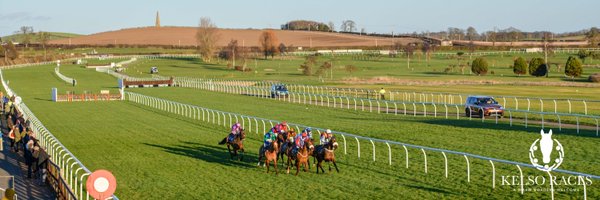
34 38
158 155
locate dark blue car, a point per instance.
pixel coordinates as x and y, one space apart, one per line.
278 90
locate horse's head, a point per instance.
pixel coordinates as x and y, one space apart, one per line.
332 143
274 146
242 134
308 144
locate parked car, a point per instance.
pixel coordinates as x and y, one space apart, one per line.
154 70
279 90
483 106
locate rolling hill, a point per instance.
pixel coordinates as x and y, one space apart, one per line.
53 36
185 36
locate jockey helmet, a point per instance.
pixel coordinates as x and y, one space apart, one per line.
304 134
308 129
328 131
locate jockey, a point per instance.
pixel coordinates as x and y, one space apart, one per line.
269 137
281 128
235 129
326 136
308 131
299 141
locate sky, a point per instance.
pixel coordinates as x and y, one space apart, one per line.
398 16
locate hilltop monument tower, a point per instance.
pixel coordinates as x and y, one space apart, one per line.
157 20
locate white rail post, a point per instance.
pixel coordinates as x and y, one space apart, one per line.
370 106
414 110
569 101
521 173
516 104
585 107
362 105
406 154
528 104
555 107
345 151
425 156
389 153
378 107
445 164
373 149
493 174
541 105
358 143
468 169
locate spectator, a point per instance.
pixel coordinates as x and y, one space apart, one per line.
382 93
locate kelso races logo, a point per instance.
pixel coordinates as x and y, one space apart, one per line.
546 154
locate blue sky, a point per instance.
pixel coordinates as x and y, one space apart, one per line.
86 17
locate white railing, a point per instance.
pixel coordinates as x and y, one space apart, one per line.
63 77
261 125
71 169
415 108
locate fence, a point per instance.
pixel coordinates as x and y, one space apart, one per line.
256 125
581 106
446 110
63 77
72 172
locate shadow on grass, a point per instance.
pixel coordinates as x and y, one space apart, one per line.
533 128
207 153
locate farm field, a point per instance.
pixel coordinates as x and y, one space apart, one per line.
138 143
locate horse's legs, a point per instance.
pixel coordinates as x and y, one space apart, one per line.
297 166
241 154
318 164
275 165
306 165
229 149
267 163
260 155
336 169
289 162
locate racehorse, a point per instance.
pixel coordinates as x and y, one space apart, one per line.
237 145
301 157
270 154
325 153
285 143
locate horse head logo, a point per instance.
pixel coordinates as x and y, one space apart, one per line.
546 146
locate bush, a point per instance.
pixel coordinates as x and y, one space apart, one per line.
573 67
520 66
308 64
594 78
537 67
351 68
479 66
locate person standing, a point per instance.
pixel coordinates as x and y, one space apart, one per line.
382 93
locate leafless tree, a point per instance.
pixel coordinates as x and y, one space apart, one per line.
471 33
331 26
348 26
207 36
26 33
